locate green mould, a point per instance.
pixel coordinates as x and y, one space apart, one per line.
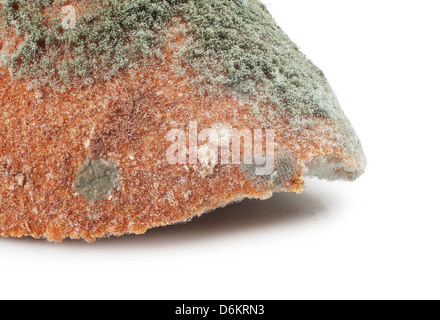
112 36
238 44
233 43
97 179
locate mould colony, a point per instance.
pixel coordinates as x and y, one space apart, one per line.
96 179
234 43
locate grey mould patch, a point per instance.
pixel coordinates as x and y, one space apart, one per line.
333 168
96 179
284 171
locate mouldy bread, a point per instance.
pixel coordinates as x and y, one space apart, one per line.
87 105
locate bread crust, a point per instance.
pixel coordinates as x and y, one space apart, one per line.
47 135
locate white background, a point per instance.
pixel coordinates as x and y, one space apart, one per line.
378 238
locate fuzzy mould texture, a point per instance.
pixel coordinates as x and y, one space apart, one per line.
85 112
